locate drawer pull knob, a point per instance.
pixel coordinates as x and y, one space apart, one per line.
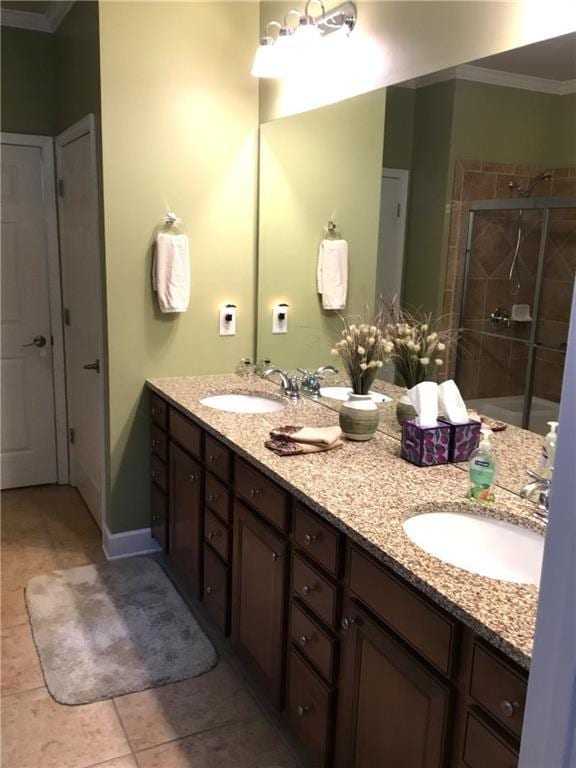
192 478
509 708
307 590
310 539
210 590
255 492
155 518
153 411
302 709
276 556
211 535
211 458
212 496
155 474
155 443
347 623
303 640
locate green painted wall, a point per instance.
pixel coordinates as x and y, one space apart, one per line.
312 166
399 127
179 132
78 64
28 82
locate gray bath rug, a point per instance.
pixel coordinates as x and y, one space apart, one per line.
113 628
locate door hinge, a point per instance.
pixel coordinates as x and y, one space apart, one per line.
72 435
66 316
61 187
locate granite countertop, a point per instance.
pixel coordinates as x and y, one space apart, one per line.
366 490
516 449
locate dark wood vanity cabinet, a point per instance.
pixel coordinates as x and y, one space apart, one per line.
392 710
366 669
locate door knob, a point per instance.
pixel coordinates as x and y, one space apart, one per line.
95 366
37 341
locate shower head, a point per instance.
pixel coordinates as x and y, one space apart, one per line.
529 188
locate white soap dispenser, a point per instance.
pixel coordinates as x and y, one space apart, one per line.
549 451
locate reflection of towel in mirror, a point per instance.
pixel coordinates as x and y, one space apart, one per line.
293 440
332 273
171 272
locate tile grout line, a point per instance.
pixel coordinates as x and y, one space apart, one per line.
24 690
124 731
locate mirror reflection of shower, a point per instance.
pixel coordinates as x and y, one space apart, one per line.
523 191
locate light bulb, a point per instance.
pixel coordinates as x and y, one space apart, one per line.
264 58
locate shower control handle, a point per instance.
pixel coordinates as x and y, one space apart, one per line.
500 318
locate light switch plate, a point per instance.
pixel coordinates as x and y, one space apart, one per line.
280 319
228 321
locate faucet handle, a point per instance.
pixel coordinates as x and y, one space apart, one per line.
535 476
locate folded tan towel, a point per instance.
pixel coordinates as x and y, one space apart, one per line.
290 448
321 436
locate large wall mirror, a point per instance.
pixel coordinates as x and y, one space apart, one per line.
455 192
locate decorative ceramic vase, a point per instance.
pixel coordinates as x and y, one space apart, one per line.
404 409
359 417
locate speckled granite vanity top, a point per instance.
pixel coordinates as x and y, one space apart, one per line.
366 490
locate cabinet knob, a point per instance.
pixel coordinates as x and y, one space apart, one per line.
210 590
276 556
153 411
155 518
211 535
301 710
310 539
211 458
255 492
155 443
155 474
347 623
307 590
509 708
303 640
212 496
192 478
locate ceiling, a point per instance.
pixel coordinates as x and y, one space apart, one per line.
33 14
553 59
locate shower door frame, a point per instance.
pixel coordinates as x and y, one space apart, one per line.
545 204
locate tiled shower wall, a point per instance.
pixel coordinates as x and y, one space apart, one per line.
496 367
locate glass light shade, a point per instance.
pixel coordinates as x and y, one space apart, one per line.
284 54
306 36
264 59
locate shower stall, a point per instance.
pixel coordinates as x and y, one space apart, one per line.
517 283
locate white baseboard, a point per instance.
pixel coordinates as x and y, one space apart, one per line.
129 543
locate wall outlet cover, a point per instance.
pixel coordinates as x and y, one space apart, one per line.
228 320
280 318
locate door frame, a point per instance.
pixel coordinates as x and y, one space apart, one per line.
87 126
46 146
403 177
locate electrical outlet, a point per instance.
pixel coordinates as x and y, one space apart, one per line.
280 318
228 320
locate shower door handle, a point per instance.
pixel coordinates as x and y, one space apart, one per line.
500 318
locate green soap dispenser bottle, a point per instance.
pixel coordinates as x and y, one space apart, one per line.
482 470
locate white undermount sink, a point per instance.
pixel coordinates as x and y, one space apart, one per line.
483 545
243 403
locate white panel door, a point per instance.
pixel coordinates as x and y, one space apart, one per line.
79 243
28 433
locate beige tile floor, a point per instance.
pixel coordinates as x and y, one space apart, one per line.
211 721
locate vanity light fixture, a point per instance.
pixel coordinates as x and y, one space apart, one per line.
276 57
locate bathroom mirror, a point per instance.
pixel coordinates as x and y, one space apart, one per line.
456 192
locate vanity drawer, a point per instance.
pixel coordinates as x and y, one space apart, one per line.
159 411
159 473
262 494
159 516
216 590
317 646
482 747
217 498
159 443
217 458
319 540
426 628
314 590
308 708
216 534
498 688
186 433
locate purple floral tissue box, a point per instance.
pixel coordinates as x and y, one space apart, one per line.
425 446
464 439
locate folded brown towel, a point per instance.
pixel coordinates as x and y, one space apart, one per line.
290 448
323 436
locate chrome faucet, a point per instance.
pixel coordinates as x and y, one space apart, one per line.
290 384
311 379
541 486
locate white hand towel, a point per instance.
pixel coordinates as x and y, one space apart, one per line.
332 274
171 272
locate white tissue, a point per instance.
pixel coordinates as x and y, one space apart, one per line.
520 313
424 398
452 406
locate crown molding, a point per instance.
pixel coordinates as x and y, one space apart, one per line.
37 22
494 77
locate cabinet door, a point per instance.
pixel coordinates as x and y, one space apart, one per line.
159 517
392 712
185 517
259 598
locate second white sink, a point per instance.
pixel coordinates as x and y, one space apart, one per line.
482 545
243 403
